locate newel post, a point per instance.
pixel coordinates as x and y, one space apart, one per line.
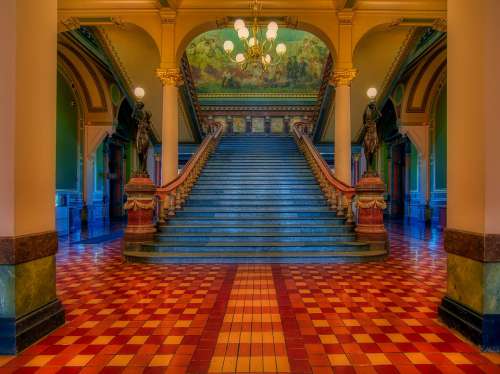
140 190
370 188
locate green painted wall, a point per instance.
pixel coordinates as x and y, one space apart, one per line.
128 171
440 142
384 163
99 168
413 169
67 137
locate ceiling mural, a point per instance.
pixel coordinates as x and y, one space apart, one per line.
300 72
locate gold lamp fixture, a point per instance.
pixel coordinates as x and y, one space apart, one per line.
258 46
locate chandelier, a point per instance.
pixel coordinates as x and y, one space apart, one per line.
257 46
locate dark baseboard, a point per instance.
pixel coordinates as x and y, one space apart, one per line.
483 330
18 334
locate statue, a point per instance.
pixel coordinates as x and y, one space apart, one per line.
143 120
370 140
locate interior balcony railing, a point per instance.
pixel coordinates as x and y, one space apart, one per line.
173 195
340 196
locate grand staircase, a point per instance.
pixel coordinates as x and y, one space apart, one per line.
255 201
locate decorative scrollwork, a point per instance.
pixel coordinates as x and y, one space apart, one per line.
170 77
134 204
371 202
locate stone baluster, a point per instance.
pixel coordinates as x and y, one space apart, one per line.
340 204
171 208
349 214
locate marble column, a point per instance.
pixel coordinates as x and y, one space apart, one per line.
171 79
341 79
29 307
472 237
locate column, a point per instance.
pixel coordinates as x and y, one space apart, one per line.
248 124
171 79
356 158
29 308
472 236
341 79
267 125
286 124
230 125
157 169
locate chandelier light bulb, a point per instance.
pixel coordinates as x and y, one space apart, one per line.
139 93
240 58
239 24
371 93
268 59
228 46
243 33
271 35
272 26
281 49
252 41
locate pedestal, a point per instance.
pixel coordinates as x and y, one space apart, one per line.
140 207
371 204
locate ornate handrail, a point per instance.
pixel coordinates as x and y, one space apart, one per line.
338 194
173 195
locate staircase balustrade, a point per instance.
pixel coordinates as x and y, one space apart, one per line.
173 195
339 195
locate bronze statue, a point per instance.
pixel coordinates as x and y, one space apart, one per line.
370 141
143 120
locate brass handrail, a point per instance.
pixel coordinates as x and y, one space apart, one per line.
173 195
338 194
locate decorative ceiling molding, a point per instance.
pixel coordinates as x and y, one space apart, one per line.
397 64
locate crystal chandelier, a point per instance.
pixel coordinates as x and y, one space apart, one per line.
257 46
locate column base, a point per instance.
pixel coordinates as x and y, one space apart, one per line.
483 330
17 334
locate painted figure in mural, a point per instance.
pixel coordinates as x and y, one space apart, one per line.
370 141
143 120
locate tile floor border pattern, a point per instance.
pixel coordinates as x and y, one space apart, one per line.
338 318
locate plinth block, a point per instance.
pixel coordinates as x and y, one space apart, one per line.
140 207
371 204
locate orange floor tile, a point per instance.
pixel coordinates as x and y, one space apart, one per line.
331 318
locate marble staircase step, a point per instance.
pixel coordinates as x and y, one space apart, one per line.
256 257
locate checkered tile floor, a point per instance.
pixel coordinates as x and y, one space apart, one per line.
352 318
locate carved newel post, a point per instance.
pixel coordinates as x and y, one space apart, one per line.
370 188
140 190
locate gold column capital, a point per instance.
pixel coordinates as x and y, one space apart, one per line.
343 77
169 77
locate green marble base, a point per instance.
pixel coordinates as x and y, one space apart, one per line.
483 330
18 334
29 308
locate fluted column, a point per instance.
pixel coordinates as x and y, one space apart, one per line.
341 79
171 80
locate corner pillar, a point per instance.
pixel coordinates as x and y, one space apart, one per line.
29 307
472 237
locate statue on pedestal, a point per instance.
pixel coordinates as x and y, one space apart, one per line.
140 189
143 120
370 141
